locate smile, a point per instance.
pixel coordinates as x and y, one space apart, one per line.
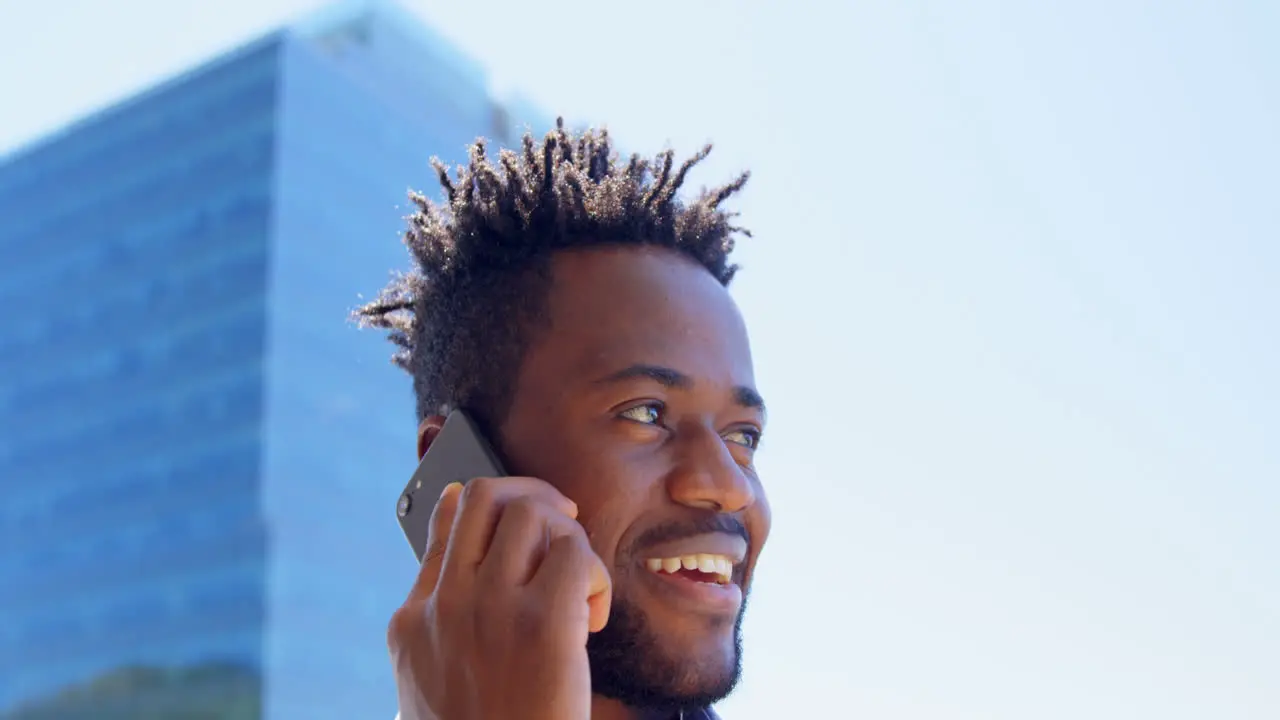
700 573
707 568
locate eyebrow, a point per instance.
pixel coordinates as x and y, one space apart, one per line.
674 379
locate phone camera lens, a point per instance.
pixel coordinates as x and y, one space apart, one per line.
402 507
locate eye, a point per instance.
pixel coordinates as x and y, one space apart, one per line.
647 414
746 437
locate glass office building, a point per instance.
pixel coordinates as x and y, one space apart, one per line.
199 455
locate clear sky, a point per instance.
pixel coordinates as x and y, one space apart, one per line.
1015 300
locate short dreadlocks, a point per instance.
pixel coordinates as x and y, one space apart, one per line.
465 314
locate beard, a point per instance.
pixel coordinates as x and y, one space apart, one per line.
630 664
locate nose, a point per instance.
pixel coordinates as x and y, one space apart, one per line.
706 475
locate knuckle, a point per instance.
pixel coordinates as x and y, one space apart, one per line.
582 556
553 494
572 547
524 510
575 536
406 623
479 491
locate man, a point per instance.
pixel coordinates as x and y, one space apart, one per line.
578 310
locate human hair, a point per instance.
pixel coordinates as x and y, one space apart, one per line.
464 315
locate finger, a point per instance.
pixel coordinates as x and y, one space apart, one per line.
575 581
525 529
442 519
478 512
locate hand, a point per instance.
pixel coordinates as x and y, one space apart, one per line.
496 625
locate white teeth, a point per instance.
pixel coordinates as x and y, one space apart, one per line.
718 565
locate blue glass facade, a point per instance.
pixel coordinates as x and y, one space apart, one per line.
199 456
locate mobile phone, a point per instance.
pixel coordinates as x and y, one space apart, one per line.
459 453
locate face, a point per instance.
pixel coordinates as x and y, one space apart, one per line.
638 402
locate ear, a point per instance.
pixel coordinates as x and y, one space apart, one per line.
427 432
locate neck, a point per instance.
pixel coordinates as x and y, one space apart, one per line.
603 708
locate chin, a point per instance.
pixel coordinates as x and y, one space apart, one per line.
714 650
663 661
705 672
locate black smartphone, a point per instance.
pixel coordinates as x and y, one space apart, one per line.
458 454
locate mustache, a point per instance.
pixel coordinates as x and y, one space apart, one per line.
702 525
